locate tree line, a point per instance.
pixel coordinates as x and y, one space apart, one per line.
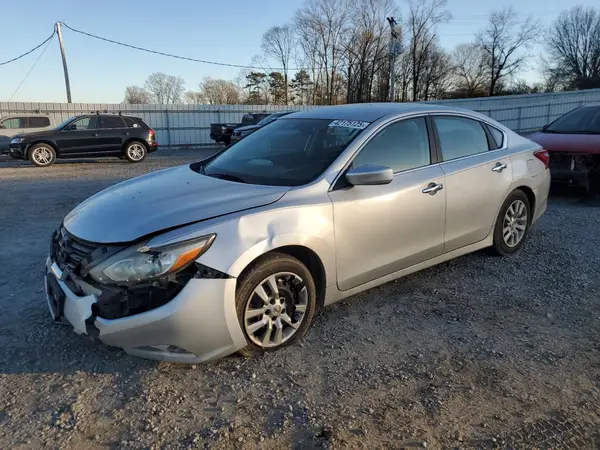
342 51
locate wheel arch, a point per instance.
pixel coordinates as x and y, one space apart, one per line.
306 256
136 139
43 141
530 196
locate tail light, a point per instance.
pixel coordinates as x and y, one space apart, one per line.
543 156
151 134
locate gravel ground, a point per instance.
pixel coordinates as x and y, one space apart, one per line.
480 352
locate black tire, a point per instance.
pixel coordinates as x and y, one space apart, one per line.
500 246
272 264
135 151
42 155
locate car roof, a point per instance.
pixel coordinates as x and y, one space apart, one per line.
370 112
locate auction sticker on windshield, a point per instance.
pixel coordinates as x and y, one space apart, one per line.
356 124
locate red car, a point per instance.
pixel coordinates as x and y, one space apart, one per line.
573 141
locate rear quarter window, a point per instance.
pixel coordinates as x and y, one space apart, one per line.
131 123
38 122
498 137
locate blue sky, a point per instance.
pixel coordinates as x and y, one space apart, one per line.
227 31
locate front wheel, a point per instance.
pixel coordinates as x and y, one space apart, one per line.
135 152
512 224
276 302
42 155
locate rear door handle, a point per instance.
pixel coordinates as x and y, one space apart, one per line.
432 188
499 167
126 134
95 135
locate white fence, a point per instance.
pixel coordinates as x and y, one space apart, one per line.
189 125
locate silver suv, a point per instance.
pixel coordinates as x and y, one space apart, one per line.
19 124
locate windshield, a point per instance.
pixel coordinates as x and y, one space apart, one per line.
578 121
61 125
268 119
289 152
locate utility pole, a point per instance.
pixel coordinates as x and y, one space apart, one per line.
394 41
64 61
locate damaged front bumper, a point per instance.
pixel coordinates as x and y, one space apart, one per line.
199 324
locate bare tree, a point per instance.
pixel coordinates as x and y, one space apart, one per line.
321 27
135 95
423 18
278 43
470 69
367 50
573 43
436 77
193 98
504 41
165 89
219 92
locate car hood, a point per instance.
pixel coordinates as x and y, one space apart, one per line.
247 128
162 200
568 143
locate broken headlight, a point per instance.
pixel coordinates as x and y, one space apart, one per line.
139 263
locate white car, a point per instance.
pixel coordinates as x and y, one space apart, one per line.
18 124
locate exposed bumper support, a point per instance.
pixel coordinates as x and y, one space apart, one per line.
199 324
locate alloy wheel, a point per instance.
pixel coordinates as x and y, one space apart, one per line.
515 223
42 156
276 309
136 152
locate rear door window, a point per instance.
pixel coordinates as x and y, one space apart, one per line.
112 122
460 137
14 123
38 122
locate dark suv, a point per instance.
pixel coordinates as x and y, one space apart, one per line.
89 135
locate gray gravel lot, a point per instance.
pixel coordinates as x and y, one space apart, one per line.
480 352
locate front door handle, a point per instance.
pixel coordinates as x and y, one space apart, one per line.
95 135
432 188
126 134
499 167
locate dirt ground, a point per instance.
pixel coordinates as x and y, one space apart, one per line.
479 352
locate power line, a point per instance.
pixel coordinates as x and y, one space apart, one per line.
32 67
186 58
30 51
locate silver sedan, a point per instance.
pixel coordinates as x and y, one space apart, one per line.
237 252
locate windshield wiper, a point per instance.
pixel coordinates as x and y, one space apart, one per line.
225 176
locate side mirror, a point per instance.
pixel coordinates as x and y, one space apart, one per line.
71 127
369 175
545 126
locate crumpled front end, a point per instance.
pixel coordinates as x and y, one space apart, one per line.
188 316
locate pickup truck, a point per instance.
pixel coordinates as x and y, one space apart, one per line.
221 132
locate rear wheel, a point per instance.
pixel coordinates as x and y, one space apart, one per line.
512 224
135 151
42 155
276 302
